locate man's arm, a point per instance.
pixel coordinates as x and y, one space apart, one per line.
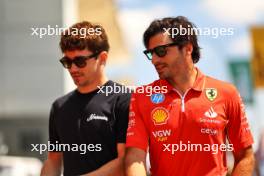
53 165
135 162
244 162
114 167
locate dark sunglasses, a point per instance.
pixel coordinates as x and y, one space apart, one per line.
79 61
160 51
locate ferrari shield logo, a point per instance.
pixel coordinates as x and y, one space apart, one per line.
211 93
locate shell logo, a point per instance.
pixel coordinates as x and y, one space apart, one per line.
159 116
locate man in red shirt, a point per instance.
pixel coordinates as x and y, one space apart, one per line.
185 129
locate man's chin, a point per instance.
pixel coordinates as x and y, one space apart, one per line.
164 76
77 83
161 76
81 84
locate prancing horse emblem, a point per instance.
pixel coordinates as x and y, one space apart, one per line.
211 93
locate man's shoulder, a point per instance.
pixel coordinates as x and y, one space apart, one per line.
146 90
224 87
116 93
152 84
119 89
65 98
114 83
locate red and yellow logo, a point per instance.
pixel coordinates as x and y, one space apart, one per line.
159 116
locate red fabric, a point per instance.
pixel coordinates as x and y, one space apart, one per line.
199 121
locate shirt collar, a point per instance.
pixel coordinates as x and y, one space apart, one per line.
200 81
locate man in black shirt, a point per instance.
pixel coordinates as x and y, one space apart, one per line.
87 127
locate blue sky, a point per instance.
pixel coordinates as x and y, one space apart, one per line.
135 15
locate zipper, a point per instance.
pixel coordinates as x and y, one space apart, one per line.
182 98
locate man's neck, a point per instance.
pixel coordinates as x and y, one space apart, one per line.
93 85
184 81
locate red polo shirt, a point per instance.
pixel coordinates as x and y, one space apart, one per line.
186 135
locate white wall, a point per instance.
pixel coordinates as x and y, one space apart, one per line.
30 75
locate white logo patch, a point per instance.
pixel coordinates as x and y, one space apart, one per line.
210 113
96 117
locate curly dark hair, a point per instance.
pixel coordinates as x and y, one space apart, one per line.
84 35
179 22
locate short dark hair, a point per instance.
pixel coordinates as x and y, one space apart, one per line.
159 26
95 38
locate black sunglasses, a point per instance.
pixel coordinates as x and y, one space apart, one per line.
160 51
79 61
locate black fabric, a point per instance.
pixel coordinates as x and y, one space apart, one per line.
71 123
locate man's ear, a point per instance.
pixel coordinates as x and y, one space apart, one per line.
188 49
103 57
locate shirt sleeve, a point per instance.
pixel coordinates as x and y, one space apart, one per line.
121 114
137 135
53 133
238 128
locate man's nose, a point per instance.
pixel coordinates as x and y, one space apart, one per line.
155 58
73 68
